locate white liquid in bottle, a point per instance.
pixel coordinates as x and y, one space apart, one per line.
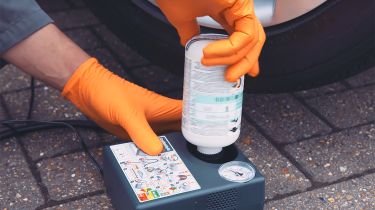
212 107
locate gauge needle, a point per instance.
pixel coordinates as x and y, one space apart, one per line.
236 173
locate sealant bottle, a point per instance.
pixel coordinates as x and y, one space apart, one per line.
212 107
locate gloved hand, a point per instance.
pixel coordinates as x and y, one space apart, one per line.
122 107
241 50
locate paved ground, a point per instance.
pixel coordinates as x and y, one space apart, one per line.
315 147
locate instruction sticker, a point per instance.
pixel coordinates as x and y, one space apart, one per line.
154 177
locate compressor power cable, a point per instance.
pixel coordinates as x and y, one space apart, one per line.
36 125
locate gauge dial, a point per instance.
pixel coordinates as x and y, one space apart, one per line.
237 171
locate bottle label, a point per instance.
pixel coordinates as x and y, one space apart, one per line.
212 106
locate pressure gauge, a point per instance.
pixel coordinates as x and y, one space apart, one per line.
237 171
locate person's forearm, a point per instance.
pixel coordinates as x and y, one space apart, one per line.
48 55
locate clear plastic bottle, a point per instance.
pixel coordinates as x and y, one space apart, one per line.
212 107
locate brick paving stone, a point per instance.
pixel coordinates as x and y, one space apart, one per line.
84 38
94 202
281 176
74 18
365 78
282 117
48 143
39 83
3 116
109 138
157 79
18 189
353 194
11 78
91 137
107 60
48 105
336 156
97 153
130 57
17 103
53 5
70 175
348 108
324 90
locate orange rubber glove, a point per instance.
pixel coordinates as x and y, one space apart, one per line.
121 107
241 50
